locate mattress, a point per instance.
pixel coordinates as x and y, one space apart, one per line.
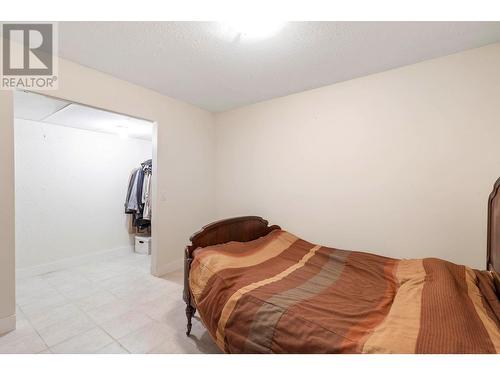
281 294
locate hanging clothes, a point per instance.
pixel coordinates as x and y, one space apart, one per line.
147 168
138 199
131 204
146 197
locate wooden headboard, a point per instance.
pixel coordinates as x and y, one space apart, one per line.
241 229
493 253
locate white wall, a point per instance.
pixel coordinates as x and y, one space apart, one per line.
399 163
70 191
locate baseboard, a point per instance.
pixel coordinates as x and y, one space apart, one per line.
168 267
72 262
7 324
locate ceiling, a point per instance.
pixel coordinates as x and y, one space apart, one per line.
200 63
35 107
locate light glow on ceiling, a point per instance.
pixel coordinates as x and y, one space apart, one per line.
251 30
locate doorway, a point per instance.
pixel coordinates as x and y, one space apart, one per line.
75 167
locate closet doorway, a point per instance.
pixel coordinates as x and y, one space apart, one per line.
83 179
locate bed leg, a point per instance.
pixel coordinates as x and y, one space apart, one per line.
190 310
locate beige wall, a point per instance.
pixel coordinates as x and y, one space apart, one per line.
398 163
7 234
184 170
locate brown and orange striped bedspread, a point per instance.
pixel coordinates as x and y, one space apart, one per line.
281 294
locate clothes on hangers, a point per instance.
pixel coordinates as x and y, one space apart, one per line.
138 199
131 204
146 196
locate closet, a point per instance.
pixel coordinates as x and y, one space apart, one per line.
75 167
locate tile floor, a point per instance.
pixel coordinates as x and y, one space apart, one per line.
111 307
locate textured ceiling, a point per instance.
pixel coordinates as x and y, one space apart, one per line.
201 64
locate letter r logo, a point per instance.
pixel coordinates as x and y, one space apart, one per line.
27 49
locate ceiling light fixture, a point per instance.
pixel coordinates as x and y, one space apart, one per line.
251 30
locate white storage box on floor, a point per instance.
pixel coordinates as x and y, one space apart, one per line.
143 245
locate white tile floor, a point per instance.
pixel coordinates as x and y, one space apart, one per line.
111 307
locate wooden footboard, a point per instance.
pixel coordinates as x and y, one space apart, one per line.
240 229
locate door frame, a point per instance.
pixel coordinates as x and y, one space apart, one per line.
154 180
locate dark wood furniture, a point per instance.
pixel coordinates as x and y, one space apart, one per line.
493 246
493 255
249 228
241 229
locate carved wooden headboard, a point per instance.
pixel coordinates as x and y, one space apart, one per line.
493 254
241 229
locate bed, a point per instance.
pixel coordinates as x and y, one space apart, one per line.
260 289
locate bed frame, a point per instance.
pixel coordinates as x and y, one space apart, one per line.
493 251
241 229
249 228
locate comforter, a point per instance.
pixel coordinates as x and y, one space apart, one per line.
281 294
